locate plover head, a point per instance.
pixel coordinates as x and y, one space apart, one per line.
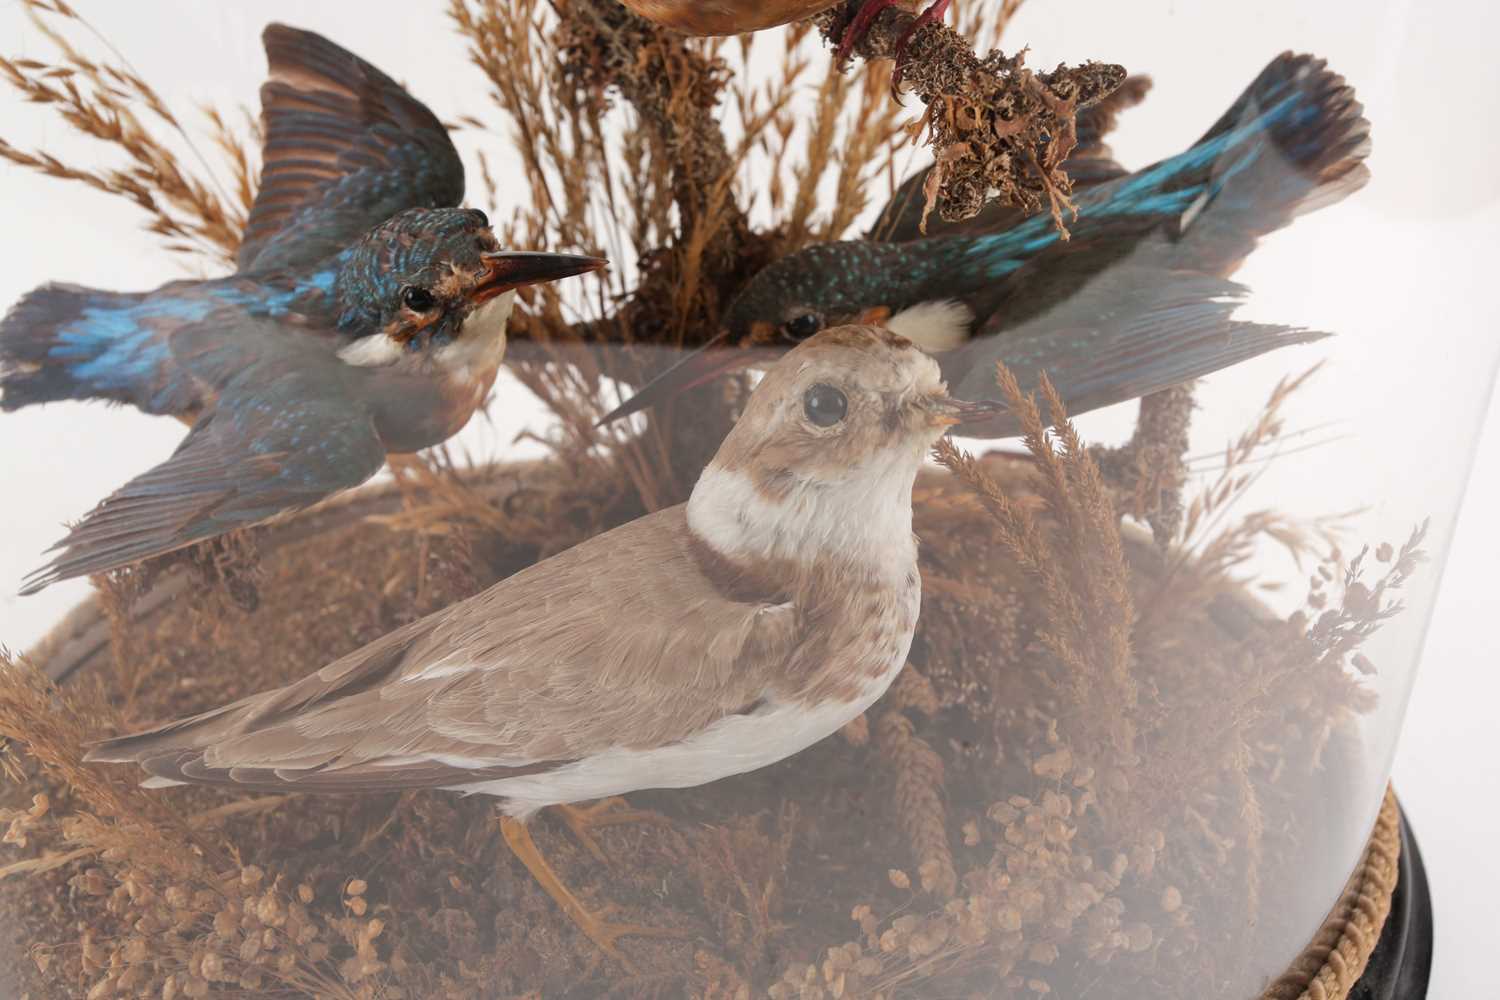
824 457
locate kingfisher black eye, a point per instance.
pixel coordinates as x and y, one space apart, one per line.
417 299
825 405
799 328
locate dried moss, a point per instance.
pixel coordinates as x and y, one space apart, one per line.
997 128
985 780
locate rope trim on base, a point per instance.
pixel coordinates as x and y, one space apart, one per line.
1332 963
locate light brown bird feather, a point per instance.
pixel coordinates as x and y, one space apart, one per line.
588 651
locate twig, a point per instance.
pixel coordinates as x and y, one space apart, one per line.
1153 464
675 88
997 127
47 862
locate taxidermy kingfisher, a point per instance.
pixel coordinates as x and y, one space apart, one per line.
367 316
1136 301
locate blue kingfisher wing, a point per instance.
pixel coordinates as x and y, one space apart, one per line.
1109 333
1295 140
269 446
346 147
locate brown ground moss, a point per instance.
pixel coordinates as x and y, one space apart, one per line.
970 840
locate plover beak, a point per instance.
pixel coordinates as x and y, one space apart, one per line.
945 411
713 359
507 269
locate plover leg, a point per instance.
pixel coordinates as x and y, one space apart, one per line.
591 922
613 811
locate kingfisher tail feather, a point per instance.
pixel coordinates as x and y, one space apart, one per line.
1294 141
67 342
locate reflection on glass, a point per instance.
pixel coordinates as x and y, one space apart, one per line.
1094 708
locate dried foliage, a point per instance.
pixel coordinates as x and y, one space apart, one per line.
993 124
989 762
741 871
918 797
1083 577
1213 541
1100 749
106 100
175 913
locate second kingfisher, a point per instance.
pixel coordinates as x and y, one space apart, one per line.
368 316
1138 300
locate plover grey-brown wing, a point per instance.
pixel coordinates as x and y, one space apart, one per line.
619 642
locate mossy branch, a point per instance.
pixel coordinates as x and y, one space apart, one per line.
997 129
675 88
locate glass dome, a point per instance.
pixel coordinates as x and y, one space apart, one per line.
1131 734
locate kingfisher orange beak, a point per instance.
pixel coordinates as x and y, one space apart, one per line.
715 358
509 269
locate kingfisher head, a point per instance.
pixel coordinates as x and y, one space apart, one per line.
816 288
905 288
431 288
899 286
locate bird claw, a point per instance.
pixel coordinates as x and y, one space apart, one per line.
864 19
932 15
859 26
582 820
589 920
604 934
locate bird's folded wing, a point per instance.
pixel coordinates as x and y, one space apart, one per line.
346 147
263 450
621 642
1111 334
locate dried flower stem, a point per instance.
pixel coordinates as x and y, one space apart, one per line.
919 800
100 100
1084 578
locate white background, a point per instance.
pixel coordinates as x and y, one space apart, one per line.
1419 69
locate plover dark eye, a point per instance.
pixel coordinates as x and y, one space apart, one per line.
417 299
825 405
799 328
